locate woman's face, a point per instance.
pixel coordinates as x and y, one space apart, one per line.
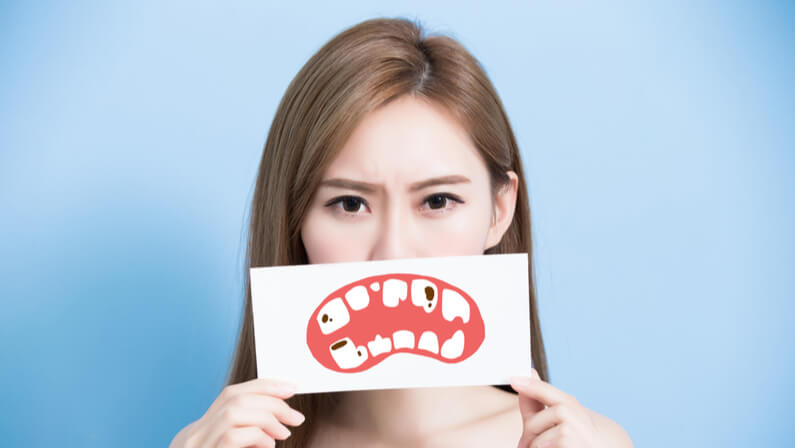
408 183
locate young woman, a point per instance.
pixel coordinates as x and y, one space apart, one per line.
390 144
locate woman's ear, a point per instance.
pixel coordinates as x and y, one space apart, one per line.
504 207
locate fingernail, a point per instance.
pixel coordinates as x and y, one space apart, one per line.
535 374
299 417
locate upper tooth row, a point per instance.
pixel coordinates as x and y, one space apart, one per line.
424 294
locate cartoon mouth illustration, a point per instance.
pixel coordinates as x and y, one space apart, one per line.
364 322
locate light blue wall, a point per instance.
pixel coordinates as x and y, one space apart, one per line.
658 142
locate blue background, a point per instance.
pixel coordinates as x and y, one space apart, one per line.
658 142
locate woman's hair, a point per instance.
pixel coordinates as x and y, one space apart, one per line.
356 72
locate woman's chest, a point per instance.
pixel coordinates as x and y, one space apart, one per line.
501 430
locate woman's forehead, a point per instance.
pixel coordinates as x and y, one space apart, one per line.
410 139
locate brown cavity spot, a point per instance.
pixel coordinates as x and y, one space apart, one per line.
359 352
339 344
324 318
428 293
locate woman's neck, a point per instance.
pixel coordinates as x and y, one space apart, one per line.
416 414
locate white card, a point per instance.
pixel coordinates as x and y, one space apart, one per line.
419 322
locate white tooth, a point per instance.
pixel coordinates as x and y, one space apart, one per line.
394 291
453 347
358 298
379 345
375 286
346 355
454 305
403 339
419 297
429 342
333 316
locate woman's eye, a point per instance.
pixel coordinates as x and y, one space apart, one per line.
437 201
441 201
350 204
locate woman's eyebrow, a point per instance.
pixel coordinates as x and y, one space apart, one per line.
371 188
444 180
349 184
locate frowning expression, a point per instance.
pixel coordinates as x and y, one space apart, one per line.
408 183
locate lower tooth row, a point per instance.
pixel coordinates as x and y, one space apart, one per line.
347 356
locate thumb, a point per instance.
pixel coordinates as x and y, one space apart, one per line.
527 405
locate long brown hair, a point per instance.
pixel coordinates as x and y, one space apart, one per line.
362 68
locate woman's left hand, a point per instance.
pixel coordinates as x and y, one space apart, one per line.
555 419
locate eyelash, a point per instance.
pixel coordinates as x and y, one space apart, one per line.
447 196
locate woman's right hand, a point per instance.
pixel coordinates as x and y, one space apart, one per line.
247 414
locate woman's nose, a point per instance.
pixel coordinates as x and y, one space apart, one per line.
392 239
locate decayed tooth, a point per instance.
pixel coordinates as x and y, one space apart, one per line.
429 342
454 305
346 355
358 298
333 316
424 294
403 339
379 345
394 291
453 347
